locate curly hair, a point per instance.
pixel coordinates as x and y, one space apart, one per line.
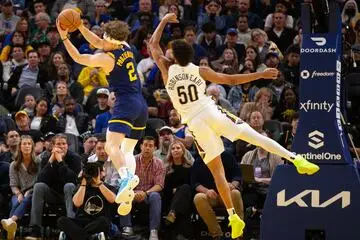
117 30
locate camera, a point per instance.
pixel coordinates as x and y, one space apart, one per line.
91 170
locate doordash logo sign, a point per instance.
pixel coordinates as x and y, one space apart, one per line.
320 41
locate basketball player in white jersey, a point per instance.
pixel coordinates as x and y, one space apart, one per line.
185 84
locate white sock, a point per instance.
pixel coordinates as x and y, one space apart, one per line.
123 172
231 211
127 147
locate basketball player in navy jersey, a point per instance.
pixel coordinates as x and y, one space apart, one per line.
130 110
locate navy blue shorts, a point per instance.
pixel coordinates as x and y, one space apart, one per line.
130 114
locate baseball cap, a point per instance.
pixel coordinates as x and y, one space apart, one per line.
103 91
231 31
271 54
165 128
21 113
49 135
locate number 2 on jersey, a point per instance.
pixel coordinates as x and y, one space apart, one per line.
131 71
191 94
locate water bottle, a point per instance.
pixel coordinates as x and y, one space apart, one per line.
257 172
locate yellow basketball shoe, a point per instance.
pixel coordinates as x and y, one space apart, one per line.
237 226
303 166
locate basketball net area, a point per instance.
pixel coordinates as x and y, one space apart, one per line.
325 205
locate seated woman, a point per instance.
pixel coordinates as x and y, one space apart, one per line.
23 172
264 166
262 103
177 188
229 59
42 120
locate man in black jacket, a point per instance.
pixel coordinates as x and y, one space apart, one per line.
55 184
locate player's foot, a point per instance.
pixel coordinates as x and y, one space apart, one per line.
303 166
126 188
124 208
10 226
237 226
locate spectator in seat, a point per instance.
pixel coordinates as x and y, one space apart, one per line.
42 120
209 40
207 198
57 103
8 19
290 67
101 13
190 37
260 39
86 7
243 30
17 39
289 135
145 9
76 90
166 137
12 139
151 172
102 97
177 190
262 103
89 146
227 60
281 35
254 20
272 60
241 94
42 21
29 105
91 78
23 124
264 166
93 200
101 122
28 75
23 172
55 183
47 147
212 14
181 131
282 6
231 42
72 122
288 104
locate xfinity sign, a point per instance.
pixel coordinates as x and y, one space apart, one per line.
314 202
316 106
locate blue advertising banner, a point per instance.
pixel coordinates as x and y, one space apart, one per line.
327 202
320 137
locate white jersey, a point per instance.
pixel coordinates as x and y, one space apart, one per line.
186 89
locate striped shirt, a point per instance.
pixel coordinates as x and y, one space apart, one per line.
150 174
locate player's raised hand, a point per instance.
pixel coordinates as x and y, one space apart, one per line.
170 18
63 33
270 73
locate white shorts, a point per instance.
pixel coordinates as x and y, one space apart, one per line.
209 125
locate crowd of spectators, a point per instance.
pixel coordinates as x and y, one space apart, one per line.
54 113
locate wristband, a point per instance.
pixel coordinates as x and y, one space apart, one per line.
64 39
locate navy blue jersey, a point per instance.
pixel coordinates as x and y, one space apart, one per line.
124 79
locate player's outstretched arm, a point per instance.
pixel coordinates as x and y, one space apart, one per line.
154 44
97 60
236 79
91 37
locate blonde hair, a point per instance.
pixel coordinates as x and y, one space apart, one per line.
117 30
169 160
261 91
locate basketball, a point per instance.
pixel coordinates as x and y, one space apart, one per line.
69 19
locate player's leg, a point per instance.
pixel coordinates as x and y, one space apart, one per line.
127 147
210 147
234 128
112 148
